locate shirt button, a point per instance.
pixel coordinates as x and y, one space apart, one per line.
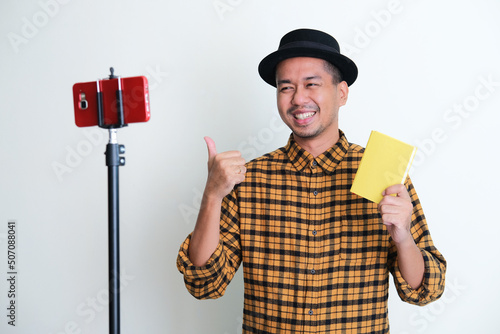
315 163
313 271
311 312
314 232
315 192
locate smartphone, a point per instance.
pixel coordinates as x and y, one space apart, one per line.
135 95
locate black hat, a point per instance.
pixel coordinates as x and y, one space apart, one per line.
308 43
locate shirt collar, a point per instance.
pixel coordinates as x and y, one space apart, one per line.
328 160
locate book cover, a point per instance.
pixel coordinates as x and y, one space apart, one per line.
385 162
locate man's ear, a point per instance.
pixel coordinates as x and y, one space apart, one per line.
343 91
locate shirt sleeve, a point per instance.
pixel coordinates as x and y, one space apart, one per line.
432 286
211 280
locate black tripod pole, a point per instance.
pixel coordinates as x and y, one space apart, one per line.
113 161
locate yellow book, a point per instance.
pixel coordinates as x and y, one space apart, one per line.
385 162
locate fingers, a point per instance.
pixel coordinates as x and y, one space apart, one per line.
395 195
398 190
400 219
239 175
240 169
396 210
396 200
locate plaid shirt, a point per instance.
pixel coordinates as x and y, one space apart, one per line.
316 257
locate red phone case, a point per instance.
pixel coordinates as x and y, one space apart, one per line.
135 101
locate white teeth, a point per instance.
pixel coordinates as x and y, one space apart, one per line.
304 115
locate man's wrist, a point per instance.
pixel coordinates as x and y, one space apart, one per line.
406 242
211 199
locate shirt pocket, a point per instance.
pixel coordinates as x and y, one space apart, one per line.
364 239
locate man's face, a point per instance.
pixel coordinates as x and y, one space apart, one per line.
308 100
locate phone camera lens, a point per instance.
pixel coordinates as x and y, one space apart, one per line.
84 104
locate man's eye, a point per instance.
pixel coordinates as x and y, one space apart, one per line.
312 84
285 88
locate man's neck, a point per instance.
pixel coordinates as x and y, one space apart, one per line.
317 145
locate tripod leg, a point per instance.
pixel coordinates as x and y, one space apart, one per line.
114 161
114 250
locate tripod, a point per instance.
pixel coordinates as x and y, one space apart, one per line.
113 161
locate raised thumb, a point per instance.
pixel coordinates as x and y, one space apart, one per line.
212 151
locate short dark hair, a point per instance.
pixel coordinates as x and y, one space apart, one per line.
333 71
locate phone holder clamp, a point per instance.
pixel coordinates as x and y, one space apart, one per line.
119 104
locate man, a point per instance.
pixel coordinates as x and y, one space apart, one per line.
316 257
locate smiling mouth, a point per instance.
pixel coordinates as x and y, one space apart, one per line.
304 115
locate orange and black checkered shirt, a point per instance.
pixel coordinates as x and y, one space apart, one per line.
316 257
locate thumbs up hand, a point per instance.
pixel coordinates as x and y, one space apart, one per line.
225 170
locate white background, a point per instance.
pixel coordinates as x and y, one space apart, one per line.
429 75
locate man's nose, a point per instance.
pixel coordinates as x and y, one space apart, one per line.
300 96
